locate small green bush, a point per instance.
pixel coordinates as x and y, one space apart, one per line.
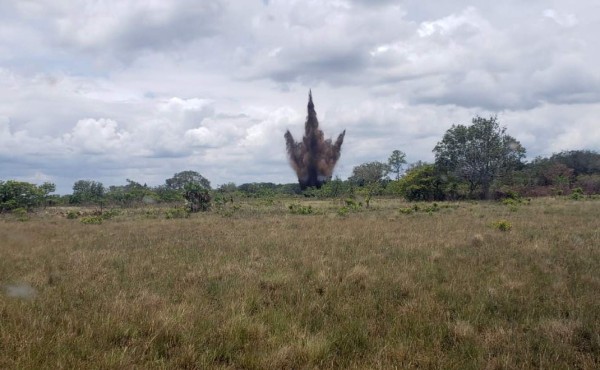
406 210
352 205
510 202
577 194
91 220
502 225
432 208
152 213
299 209
71 215
178 212
511 194
20 214
343 211
106 215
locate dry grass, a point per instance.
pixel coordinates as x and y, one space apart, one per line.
258 287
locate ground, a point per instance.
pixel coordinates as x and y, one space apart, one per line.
258 285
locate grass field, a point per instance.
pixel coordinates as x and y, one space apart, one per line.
255 286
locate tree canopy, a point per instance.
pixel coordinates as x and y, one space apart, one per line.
180 179
368 173
87 191
19 194
396 162
479 153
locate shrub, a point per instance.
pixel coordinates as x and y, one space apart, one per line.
178 212
298 209
577 194
432 208
106 215
352 205
71 215
510 202
420 183
406 210
152 213
197 197
91 220
343 211
20 214
502 225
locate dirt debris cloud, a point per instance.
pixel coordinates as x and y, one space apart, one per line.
313 158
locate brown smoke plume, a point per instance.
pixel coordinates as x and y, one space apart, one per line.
313 158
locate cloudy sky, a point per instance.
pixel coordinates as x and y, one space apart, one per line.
110 90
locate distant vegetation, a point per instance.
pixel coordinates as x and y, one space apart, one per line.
479 161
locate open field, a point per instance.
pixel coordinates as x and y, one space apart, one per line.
255 286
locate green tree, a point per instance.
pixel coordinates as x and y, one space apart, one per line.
420 183
369 173
87 191
229 187
19 194
180 179
370 177
130 194
44 190
197 197
166 194
396 162
582 162
478 154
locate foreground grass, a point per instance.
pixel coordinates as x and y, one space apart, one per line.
259 287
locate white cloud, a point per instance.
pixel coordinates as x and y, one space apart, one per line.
564 20
186 112
203 137
124 27
97 136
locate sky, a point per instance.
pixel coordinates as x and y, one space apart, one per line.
110 90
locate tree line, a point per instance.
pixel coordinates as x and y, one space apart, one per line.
478 161
482 161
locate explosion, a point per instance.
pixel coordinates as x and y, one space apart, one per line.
313 158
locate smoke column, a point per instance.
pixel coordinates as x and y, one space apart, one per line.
313 158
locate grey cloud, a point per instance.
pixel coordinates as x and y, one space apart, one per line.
212 86
375 2
122 29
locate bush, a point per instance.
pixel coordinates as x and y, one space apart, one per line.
343 211
152 213
71 215
502 225
432 208
197 197
106 215
510 202
179 212
299 209
406 210
420 183
352 205
20 214
577 194
91 220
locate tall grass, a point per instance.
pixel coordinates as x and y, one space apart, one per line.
264 288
